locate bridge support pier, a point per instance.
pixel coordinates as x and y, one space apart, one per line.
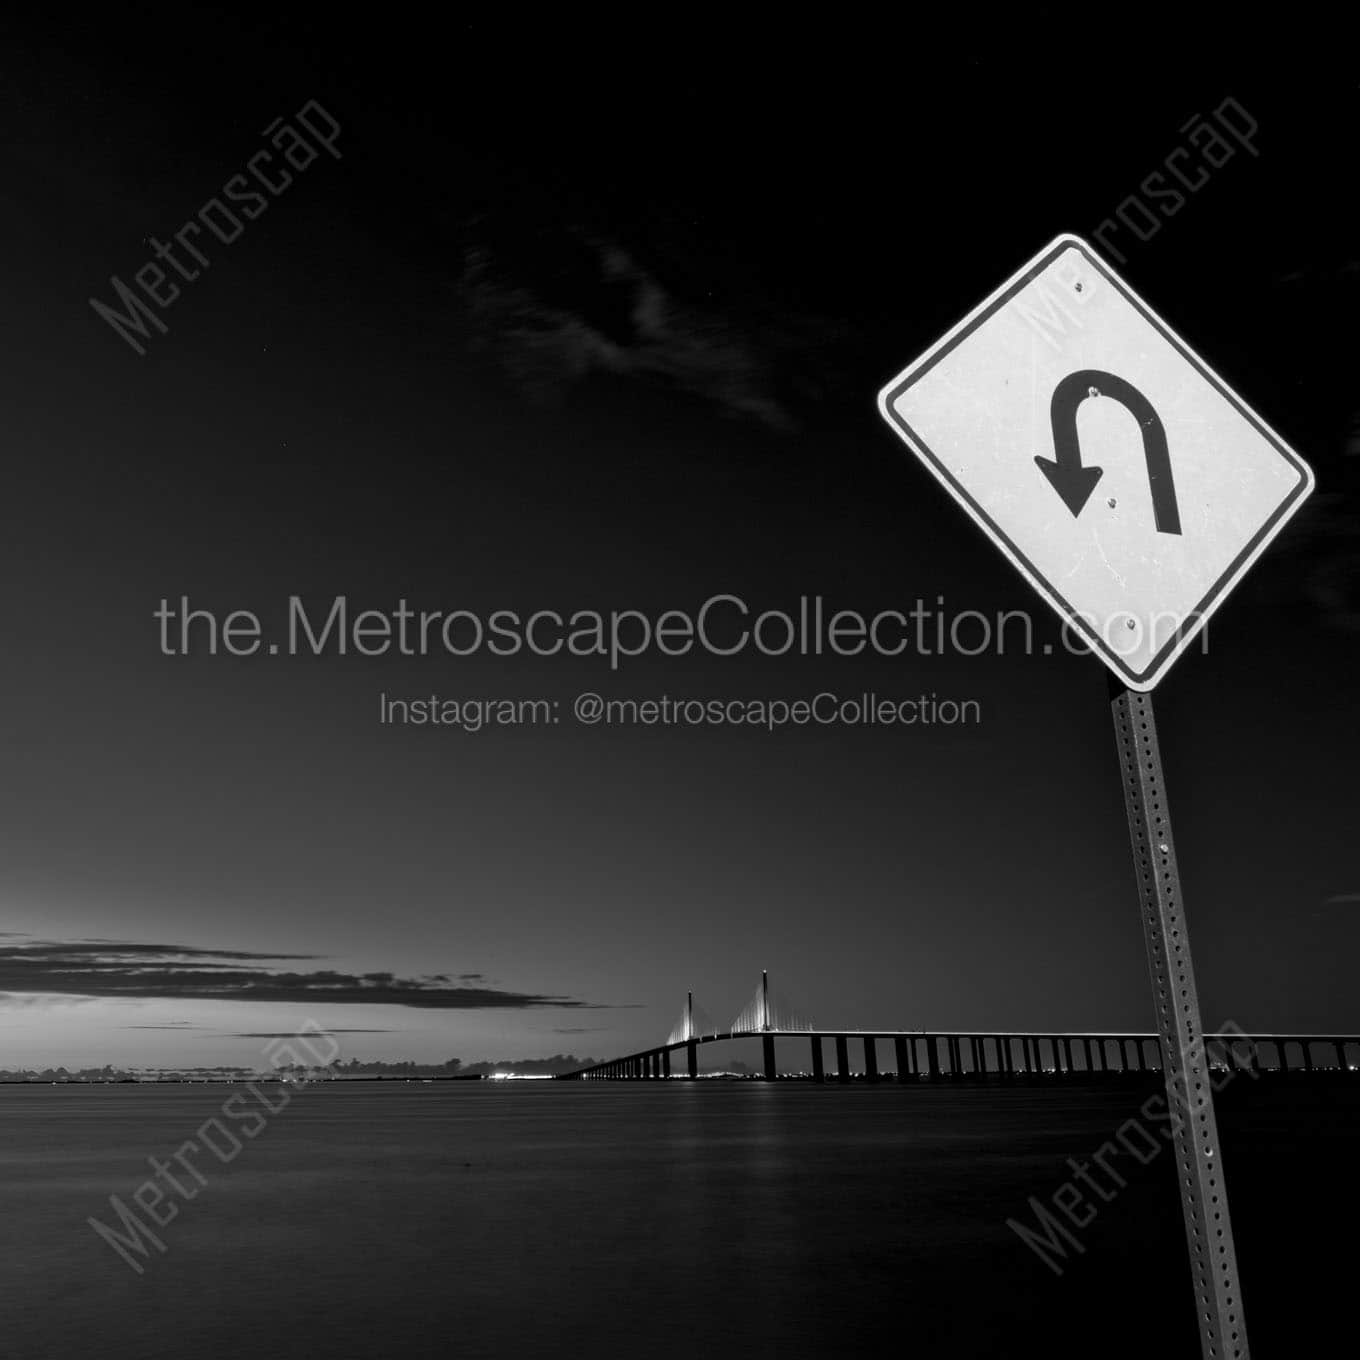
818 1074
666 1063
870 1059
933 1057
692 1056
842 1059
1340 1045
900 1054
1230 1055
767 1049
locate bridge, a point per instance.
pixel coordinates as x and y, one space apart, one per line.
921 1055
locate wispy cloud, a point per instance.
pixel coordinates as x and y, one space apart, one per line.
631 326
1342 899
112 968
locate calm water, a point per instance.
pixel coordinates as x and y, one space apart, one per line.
528 1219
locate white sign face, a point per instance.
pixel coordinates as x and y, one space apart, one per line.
1127 481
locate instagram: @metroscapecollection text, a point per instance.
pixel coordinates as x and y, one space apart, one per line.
770 714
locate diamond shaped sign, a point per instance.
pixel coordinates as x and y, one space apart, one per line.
1125 479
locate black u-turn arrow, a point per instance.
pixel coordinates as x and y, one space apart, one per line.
1073 482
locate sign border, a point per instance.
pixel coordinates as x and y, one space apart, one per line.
1199 616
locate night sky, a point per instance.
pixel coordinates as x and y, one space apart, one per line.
595 318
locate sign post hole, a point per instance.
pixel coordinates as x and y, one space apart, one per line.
1199 1162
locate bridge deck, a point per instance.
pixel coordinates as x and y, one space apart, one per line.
960 1053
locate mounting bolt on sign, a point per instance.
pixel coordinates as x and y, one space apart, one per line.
1062 380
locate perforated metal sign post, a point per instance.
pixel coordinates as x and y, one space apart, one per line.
1192 490
1199 1162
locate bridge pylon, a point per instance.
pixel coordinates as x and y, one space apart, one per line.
766 1038
688 1030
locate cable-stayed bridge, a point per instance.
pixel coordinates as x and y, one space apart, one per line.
921 1055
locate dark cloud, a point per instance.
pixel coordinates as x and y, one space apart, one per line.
74 950
299 1034
107 968
581 1029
